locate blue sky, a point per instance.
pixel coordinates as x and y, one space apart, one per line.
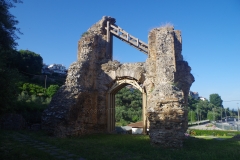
210 34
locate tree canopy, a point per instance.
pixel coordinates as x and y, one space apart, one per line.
8 24
9 75
128 106
216 100
30 62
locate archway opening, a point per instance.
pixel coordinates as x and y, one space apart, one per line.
128 106
116 87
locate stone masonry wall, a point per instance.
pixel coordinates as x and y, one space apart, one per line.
80 106
168 82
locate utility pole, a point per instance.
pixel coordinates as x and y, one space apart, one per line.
200 115
238 112
197 115
221 114
238 115
213 115
221 118
191 116
226 114
238 118
45 83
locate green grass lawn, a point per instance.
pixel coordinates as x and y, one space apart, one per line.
118 147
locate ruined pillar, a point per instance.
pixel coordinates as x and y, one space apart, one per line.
167 87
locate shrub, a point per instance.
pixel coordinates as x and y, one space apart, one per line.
215 132
31 107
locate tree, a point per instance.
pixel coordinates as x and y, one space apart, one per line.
216 100
128 106
8 74
203 108
191 116
52 89
8 24
192 103
32 89
30 62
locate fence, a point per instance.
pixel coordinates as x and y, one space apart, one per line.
227 126
198 122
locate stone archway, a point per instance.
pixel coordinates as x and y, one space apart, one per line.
81 107
119 84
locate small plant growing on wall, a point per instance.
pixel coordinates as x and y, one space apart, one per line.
84 33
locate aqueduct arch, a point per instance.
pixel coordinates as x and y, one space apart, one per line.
85 104
119 84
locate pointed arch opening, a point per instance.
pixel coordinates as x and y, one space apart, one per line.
118 85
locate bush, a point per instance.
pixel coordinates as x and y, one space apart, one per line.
31 107
212 133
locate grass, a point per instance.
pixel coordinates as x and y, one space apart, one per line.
119 147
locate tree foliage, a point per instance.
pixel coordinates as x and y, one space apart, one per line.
128 106
8 74
216 100
52 89
34 89
8 27
30 62
192 116
212 110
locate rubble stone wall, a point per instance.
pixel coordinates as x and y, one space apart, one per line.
169 81
80 106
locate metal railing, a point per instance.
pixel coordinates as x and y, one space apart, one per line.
228 126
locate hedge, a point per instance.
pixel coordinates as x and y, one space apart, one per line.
195 132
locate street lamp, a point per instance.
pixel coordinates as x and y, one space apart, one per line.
221 118
238 112
197 115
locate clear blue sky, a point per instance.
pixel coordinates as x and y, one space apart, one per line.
210 33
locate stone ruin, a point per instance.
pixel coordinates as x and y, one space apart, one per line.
86 103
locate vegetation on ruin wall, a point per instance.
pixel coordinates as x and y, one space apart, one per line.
116 146
128 106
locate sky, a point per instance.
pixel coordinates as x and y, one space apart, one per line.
210 34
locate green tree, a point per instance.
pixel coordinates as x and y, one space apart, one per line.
8 74
210 115
8 24
192 103
32 89
202 108
128 106
216 100
52 89
192 116
30 62
214 114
